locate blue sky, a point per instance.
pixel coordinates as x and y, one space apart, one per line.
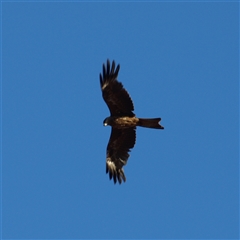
179 61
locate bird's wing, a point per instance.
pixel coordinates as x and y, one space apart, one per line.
113 92
120 142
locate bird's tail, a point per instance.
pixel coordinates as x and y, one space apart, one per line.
150 123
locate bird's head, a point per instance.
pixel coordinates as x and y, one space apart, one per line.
106 121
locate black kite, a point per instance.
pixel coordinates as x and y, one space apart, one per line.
122 120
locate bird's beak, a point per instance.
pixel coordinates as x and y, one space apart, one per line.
105 124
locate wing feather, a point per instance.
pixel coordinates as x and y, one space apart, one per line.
120 143
116 97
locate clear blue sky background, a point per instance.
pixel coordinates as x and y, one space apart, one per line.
179 61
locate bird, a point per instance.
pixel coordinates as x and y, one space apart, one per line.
122 120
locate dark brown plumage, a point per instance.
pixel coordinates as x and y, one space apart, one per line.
122 120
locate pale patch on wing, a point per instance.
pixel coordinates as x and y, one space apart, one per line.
105 84
116 174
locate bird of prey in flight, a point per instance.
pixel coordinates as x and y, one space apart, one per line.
122 120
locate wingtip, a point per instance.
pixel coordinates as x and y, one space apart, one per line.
116 174
101 79
108 70
117 70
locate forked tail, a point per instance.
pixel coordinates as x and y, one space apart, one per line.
150 123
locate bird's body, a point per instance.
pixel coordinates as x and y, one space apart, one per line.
128 122
122 120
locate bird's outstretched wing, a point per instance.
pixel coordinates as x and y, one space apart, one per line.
113 92
120 143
